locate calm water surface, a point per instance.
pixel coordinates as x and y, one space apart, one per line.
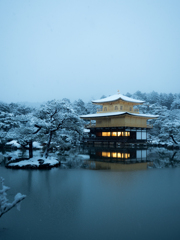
87 204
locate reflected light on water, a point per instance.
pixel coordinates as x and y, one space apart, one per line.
96 165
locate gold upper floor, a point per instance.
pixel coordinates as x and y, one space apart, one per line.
119 106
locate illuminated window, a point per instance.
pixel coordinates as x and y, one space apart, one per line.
105 108
114 154
103 154
116 107
106 134
106 154
119 134
114 134
119 155
125 134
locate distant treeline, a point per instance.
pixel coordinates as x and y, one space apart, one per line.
171 101
167 106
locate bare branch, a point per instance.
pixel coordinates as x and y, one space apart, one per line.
58 127
39 128
54 113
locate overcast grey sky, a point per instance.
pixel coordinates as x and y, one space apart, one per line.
51 49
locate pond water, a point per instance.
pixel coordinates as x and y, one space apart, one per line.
143 203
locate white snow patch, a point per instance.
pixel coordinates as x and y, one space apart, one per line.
86 130
37 145
12 155
14 143
34 162
84 156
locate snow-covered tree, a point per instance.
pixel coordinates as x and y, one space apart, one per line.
128 94
19 127
167 126
4 107
91 108
60 120
152 97
5 205
175 104
139 95
7 122
26 131
26 126
54 117
79 107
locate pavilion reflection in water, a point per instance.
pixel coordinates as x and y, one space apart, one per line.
122 159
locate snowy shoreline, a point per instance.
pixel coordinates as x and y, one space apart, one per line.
34 163
153 143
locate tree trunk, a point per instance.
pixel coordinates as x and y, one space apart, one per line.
30 149
48 145
173 139
172 158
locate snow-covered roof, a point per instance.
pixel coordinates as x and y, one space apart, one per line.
109 114
117 97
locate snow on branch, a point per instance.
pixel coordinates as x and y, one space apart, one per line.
5 205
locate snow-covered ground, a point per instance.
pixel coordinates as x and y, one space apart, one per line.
35 162
15 144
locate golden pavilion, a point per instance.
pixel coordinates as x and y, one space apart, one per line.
118 120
